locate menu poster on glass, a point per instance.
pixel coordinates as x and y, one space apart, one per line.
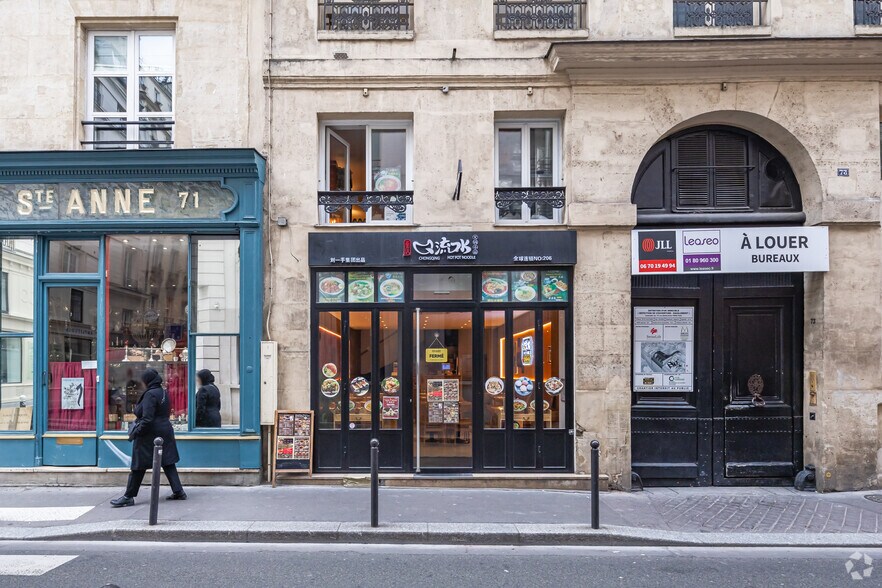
525 286
436 412
554 286
391 407
331 287
494 286
450 390
292 443
391 286
451 412
361 287
434 390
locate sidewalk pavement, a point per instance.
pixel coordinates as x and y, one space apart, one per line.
668 516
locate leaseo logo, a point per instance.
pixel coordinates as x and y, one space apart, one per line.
701 241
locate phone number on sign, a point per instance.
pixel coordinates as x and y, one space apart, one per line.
658 265
696 259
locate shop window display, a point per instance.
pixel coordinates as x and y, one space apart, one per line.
147 297
16 335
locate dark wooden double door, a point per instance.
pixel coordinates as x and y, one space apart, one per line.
742 423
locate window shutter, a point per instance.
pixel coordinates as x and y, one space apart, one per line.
693 172
730 171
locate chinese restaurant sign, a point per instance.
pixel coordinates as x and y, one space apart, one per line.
730 250
450 248
114 200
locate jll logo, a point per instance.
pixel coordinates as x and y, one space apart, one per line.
408 247
648 245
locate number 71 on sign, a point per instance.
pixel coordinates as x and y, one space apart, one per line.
186 198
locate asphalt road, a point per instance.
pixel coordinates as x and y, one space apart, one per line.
221 565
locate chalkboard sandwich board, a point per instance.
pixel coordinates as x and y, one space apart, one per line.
292 443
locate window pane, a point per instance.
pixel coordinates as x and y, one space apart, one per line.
511 211
554 368
17 386
220 356
330 287
541 158
389 159
349 145
494 369
157 131
110 94
110 54
390 376
156 53
494 287
147 322
109 133
524 350
360 357
215 271
510 164
541 211
442 287
330 353
360 287
73 257
155 93
72 348
17 257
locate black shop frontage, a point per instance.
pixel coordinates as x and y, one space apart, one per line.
455 350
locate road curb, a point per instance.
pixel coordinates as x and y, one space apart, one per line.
424 534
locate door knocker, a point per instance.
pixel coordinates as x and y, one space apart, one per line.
755 385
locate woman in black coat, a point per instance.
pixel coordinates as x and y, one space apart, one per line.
152 412
208 402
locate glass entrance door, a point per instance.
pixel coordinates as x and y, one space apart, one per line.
443 389
70 374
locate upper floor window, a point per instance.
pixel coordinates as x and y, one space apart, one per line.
130 90
868 12
539 15
366 15
528 172
723 13
367 172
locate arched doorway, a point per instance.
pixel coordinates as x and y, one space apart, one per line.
723 405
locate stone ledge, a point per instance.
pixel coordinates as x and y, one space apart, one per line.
540 35
721 32
364 35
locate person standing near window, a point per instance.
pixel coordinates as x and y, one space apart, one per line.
208 402
152 411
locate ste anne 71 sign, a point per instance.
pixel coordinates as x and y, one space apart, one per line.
730 250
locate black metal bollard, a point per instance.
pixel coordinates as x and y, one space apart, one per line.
154 480
595 484
375 483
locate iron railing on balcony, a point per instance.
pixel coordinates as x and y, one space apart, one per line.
385 206
868 12
366 15
128 134
554 197
539 15
727 13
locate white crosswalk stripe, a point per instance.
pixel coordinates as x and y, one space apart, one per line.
31 565
43 513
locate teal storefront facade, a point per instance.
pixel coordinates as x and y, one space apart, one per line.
115 262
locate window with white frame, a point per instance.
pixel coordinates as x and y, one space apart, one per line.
528 172
130 90
367 172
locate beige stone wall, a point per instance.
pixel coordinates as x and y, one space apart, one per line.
218 95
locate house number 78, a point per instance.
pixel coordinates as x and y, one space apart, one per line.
185 197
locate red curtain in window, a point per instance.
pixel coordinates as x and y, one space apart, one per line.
71 419
176 383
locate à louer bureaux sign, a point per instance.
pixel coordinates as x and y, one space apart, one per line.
730 250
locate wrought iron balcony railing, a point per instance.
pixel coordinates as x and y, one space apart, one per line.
554 197
150 133
359 206
366 15
727 13
868 12
539 15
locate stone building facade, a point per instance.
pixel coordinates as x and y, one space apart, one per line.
620 78
596 86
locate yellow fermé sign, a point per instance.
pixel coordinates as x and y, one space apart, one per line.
436 355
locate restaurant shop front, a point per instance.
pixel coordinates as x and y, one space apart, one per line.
454 350
119 261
